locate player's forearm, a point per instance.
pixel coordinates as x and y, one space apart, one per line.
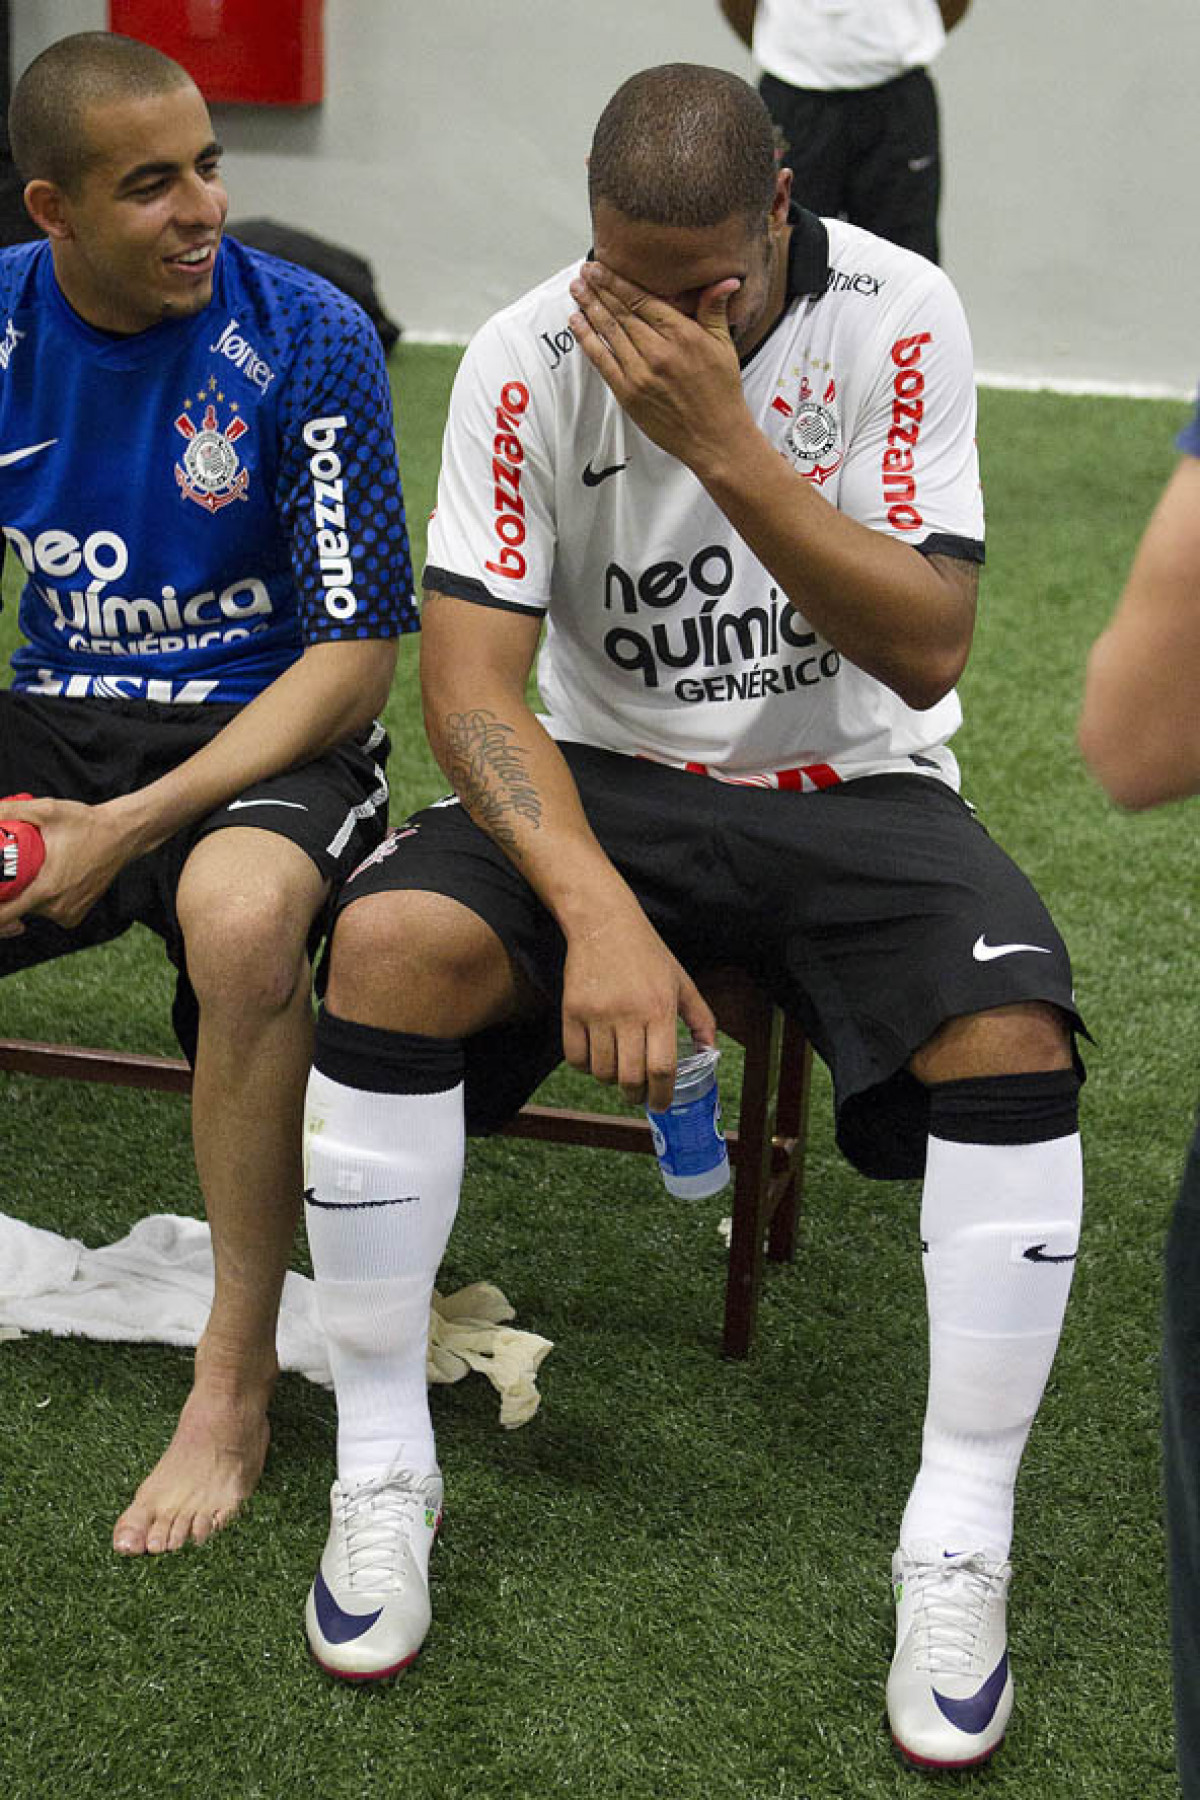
879 602
513 780
329 695
505 767
1139 731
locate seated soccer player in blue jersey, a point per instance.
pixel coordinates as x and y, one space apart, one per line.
198 475
730 465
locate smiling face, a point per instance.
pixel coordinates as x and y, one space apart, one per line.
135 239
678 262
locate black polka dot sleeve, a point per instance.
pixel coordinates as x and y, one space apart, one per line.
338 488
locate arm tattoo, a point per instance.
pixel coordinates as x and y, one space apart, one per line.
489 775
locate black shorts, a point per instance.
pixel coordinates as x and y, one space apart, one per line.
334 809
870 155
873 911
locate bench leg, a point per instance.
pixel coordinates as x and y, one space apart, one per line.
791 1125
751 1185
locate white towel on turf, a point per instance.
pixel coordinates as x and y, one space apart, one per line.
156 1286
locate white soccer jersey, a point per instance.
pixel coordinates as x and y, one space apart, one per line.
665 636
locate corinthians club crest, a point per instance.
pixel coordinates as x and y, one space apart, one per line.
211 473
813 439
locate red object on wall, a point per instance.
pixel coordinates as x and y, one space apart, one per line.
267 52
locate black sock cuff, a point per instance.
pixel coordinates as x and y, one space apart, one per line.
385 1062
1006 1109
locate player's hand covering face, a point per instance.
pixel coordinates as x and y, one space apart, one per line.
665 312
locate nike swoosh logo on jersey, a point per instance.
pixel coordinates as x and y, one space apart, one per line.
917 163
297 805
593 477
982 951
337 1625
1037 1253
14 456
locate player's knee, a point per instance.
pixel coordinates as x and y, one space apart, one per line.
417 961
246 902
1027 1038
249 955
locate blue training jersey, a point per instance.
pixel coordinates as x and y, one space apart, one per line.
197 503
1189 438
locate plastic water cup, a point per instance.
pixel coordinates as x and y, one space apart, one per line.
688 1139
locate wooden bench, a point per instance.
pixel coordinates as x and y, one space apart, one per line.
766 1147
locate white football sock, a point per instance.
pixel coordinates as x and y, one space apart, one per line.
383 1172
1000 1224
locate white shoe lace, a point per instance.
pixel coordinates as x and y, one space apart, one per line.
950 1604
374 1520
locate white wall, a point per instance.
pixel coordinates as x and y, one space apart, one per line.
1070 220
450 150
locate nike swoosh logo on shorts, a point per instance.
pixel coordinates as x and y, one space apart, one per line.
982 951
14 456
298 805
593 477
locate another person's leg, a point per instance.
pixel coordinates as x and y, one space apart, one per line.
1181 1462
246 904
1000 1218
414 978
942 1000
411 975
239 908
442 1013
1001 1210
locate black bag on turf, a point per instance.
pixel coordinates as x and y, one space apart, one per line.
344 268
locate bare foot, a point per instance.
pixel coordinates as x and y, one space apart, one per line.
205 1475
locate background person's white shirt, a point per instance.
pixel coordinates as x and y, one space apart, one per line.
845 43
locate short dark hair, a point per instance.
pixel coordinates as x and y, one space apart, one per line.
46 117
682 144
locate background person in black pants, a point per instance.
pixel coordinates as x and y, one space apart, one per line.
848 87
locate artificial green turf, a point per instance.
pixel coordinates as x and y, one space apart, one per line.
674 1581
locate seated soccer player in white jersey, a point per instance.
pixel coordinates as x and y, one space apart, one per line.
729 463
204 649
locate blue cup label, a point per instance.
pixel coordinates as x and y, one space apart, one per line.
688 1139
